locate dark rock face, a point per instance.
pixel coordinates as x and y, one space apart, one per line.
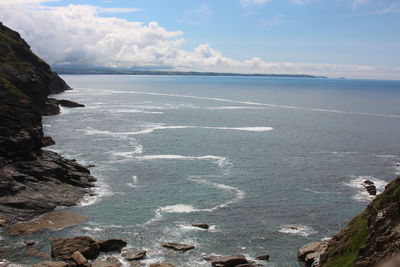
201 225
370 187
177 246
69 104
32 181
371 237
63 248
111 245
228 261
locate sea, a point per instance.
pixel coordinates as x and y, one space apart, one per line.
269 163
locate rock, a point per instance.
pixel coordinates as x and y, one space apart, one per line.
36 253
79 258
4 263
311 252
201 225
134 255
3 222
29 243
263 257
228 261
107 263
56 220
47 141
69 104
177 246
111 245
63 248
309 248
368 182
161 265
371 189
51 264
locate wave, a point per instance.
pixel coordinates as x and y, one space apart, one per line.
257 103
153 128
297 230
185 208
134 181
221 161
135 111
362 195
101 190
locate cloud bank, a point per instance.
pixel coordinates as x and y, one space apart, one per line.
78 34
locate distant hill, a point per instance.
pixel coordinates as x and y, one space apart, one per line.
117 71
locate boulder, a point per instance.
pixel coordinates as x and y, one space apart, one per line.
177 246
79 258
228 261
51 264
201 225
114 244
368 182
161 265
311 252
371 189
63 248
134 255
263 257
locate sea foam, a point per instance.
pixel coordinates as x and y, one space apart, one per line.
362 195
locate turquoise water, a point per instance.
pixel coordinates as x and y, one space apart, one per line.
249 156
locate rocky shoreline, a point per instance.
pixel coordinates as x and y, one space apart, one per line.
33 181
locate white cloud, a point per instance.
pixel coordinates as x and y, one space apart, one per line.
78 34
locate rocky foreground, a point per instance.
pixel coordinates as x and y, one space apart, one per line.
33 181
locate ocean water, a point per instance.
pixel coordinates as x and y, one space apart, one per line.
269 163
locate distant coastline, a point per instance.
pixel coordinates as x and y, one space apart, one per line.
111 71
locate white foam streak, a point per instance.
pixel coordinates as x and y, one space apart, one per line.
260 104
151 129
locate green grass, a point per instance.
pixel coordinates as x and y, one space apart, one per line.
354 239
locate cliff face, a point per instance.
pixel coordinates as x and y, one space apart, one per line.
32 180
371 237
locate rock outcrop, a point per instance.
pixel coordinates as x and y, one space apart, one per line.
32 181
370 238
177 246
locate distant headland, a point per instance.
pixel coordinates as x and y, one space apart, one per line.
120 71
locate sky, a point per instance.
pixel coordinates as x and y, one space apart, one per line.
334 38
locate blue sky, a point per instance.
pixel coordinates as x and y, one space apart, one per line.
359 38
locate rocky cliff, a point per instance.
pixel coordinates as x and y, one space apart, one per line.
32 181
370 239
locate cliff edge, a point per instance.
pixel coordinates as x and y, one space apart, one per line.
32 180
370 239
